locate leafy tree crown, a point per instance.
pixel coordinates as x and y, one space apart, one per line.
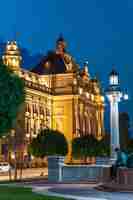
49 142
12 96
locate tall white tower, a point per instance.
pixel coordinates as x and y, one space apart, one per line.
114 95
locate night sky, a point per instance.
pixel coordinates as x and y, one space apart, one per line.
99 31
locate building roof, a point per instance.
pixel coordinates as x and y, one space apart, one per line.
113 73
57 61
52 63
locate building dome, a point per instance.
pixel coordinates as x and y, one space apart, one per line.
52 63
56 62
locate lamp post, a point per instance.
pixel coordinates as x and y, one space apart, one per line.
114 96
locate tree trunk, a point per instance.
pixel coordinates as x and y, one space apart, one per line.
93 160
85 160
16 171
21 165
9 158
16 165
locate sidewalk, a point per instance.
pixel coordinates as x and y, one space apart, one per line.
80 192
55 190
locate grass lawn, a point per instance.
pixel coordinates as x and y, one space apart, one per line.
18 193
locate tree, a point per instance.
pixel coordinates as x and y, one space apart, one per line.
130 146
76 147
84 146
48 142
11 98
103 146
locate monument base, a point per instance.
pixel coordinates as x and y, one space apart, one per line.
112 161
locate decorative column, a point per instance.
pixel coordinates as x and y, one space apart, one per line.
83 121
77 127
102 121
99 124
31 120
89 125
27 118
81 118
38 117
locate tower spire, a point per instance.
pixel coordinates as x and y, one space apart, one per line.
85 73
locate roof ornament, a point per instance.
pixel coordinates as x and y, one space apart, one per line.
84 73
86 67
60 38
60 44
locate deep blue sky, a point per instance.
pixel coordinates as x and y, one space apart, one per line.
100 31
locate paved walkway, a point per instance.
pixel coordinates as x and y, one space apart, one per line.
80 192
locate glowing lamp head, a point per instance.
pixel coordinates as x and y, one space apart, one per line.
125 96
114 78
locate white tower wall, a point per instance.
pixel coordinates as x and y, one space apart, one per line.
114 121
114 98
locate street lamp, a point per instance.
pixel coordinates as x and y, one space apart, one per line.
114 96
113 78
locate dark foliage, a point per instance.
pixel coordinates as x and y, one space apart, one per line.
130 146
103 146
84 146
89 146
11 97
49 142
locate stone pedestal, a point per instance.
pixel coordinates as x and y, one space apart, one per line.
55 164
77 173
125 176
102 160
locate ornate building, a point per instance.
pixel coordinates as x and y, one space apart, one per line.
59 94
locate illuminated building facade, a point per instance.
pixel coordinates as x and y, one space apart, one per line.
59 95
